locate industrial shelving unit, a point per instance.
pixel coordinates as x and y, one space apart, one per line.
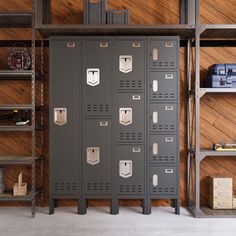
195 92
24 19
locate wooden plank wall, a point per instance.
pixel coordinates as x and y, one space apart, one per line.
218 116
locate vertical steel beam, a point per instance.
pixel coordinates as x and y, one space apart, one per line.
187 12
43 12
46 11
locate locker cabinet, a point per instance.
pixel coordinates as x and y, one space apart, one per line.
130 112
97 156
163 117
129 63
163 149
97 76
163 180
131 169
65 119
163 85
114 119
163 54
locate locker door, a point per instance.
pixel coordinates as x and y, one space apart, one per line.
163 54
97 156
163 149
163 180
64 116
163 117
97 76
130 112
131 169
163 85
129 62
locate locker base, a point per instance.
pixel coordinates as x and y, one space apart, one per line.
51 206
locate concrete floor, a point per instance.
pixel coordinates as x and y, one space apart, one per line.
162 221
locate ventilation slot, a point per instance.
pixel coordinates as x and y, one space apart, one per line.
163 159
131 189
131 84
164 64
163 127
95 108
61 187
98 187
131 137
164 190
164 96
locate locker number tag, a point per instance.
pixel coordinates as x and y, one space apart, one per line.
126 63
93 76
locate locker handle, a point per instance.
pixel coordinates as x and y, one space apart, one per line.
169 139
136 149
60 116
70 45
155 180
155 85
136 45
125 168
136 97
169 171
155 54
169 45
155 117
169 108
169 76
155 149
103 45
103 123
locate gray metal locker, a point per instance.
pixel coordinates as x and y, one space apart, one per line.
163 85
129 63
163 117
97 156
65 117
130 117
163 149
96 76
131 169
163 180
163 53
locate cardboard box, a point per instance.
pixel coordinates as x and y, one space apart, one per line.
221 193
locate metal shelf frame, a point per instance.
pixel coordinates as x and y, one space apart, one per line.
195 154
25 19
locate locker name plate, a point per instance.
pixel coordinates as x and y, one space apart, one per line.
93 76
126 63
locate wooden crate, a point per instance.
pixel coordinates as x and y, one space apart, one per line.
221 193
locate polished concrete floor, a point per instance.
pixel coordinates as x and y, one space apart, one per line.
162 221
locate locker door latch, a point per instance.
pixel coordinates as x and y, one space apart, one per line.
93 76
60 116
125 116
93 155
155 180
125 169
155 149
155 85
126 63
155 117
155 54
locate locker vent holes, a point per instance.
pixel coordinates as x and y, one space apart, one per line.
131 189
93 76
93 155
164 95
94 108
125 168
169 190
125 116
131 84
130 137
61 187
126 63
163 159
98 187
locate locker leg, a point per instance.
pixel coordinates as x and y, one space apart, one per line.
177 206
87 203
146 205
55 203
114 207
82 209
173 203
51 206
33 208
